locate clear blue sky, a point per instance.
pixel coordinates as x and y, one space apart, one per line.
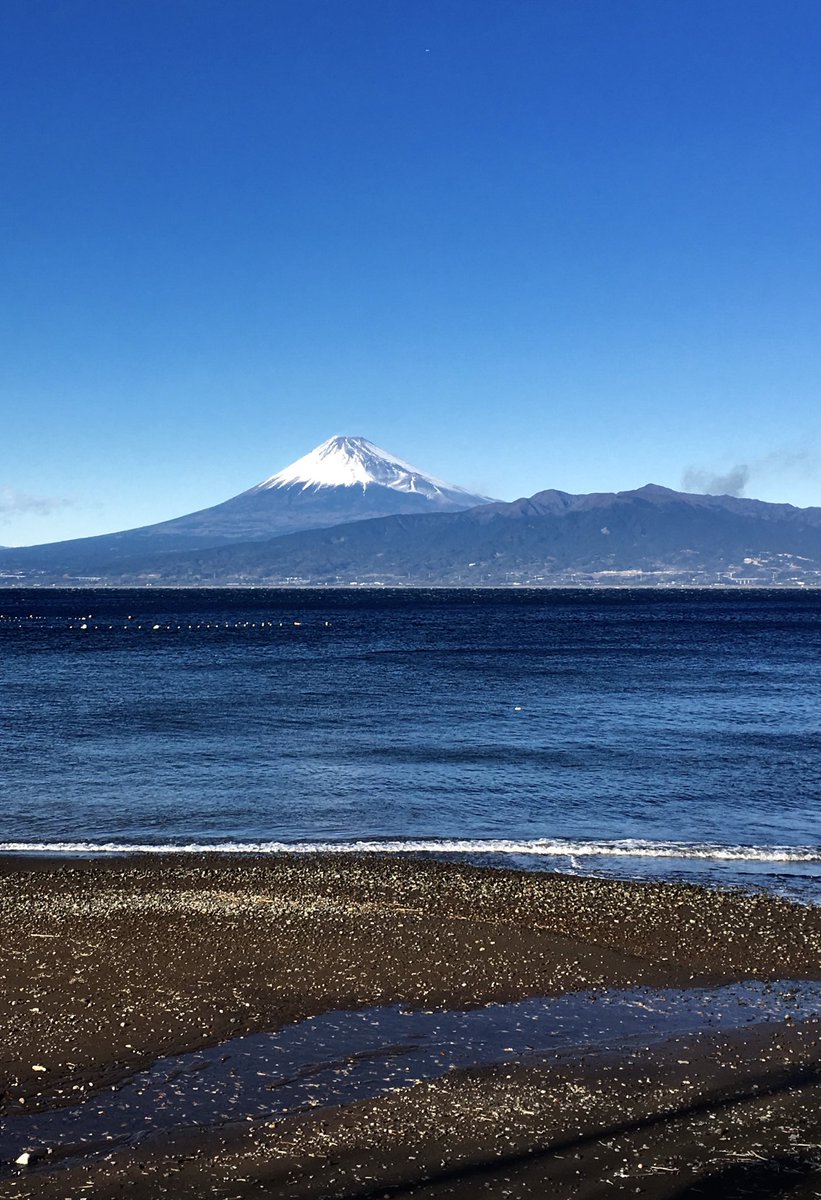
522 243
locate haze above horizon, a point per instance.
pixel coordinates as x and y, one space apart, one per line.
569 245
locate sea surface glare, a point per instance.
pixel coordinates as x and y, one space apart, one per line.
638 733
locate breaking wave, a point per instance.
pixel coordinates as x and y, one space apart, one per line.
535 848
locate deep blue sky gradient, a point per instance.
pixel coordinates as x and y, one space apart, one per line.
523 244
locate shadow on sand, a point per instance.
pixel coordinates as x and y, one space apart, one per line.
778 1175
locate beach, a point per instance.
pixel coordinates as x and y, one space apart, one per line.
111 963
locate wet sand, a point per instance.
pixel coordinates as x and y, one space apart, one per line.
109 964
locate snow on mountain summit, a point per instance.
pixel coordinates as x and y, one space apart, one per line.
356 462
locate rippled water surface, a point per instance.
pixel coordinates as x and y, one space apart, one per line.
637 733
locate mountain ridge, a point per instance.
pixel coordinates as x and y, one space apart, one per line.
650 530
550 537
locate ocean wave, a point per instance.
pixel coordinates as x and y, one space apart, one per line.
535 848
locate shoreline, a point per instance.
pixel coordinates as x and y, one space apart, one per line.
111 963
788 873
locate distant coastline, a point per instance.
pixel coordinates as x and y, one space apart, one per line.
114 586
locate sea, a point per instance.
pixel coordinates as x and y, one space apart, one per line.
645 734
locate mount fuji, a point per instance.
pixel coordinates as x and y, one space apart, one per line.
345 479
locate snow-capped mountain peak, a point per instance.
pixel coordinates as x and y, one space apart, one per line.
356 462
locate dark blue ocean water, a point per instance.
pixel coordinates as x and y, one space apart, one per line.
637 733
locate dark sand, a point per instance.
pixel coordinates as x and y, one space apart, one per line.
108 964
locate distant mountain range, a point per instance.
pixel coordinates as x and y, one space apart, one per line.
350 513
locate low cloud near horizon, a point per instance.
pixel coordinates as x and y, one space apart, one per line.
15 504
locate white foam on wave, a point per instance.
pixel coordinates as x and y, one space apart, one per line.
535 847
